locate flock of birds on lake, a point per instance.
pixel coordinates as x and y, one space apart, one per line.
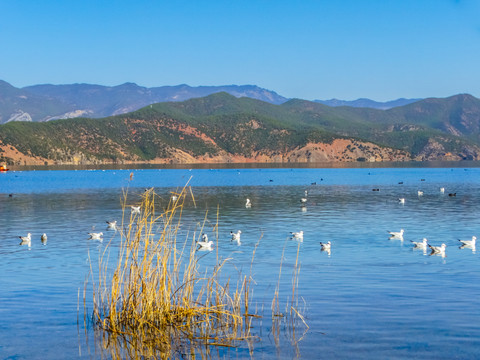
205 244
434 250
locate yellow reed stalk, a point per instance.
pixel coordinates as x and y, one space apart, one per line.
155 301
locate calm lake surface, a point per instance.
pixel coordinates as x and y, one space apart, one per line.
371 298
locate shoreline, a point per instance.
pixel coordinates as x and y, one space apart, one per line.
254 165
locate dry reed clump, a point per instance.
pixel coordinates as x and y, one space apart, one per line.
155 301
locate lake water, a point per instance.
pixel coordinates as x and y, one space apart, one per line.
370 298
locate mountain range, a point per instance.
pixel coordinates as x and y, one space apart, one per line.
223 128
367 103
50 102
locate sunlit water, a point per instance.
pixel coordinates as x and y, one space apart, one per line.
370 298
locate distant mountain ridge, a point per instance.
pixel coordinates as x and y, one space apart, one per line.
49 102
367 103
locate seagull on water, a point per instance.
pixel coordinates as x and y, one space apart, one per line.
420 244
205 244
96 236
44 239
420 193
442 190
396 235
326 246
438 250
135 210
469 243
401 200
26 240
112 225
248 204
297 235
236 236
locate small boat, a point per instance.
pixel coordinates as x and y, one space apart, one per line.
3 168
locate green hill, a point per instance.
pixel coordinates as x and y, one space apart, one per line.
221 127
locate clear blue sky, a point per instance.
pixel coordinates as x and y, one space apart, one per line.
346 49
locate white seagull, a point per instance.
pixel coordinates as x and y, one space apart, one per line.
135 210
438 250
44 239
248 204
26 240
420 193
297 235
326 246
96 236
205 244
420 244
236 236
112 225
442 190
396 235
401 200
469 243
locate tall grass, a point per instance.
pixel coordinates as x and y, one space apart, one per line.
157 301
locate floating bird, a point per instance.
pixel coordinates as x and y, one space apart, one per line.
43 238
135 210
202 245
95 236
205 244
112 225
297 235
26 240
469 243
438 250
376 189
326 246
420 244
397 235
236 236
401 200
442 190
452 194
248 204
420 193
